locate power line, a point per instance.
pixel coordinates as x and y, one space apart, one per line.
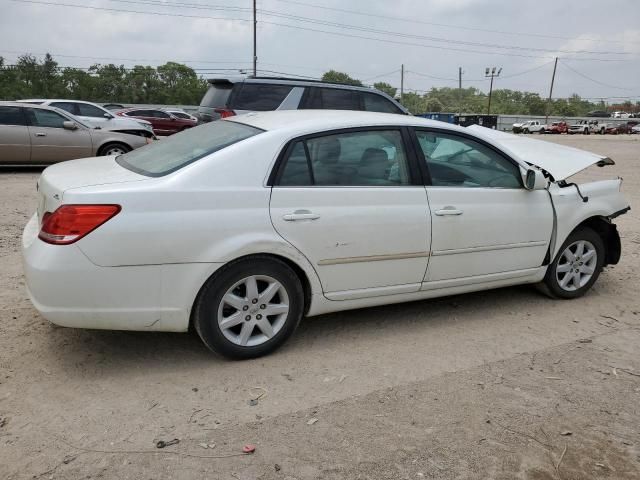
291 26
460 27
147 12
429 38
356 27
381 75
593 79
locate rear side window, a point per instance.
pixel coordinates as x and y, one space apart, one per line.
377 103
87 110
12 116
259 97
331 98
166 156
66 106
361 158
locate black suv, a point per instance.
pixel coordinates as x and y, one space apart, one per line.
226 97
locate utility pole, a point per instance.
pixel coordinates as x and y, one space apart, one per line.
460 90
255 54
553 78
491 72
401 82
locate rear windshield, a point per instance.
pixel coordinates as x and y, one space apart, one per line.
217 95
168 155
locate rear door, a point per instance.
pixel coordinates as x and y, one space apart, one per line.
352 203
15 144
51 142
164 124
484 221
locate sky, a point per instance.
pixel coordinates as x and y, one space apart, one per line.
597 41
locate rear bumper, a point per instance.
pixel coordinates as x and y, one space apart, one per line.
71 291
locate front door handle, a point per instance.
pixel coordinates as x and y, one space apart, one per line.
448 210
41 134
300 215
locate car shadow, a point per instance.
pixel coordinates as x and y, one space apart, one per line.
80 352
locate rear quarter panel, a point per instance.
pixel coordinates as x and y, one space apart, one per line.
212 211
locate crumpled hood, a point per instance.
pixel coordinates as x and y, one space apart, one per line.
559 161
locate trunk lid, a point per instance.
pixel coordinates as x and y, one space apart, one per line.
559 161
58 178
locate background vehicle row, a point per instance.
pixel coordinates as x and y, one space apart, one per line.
37 134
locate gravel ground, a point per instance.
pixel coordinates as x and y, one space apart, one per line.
501 384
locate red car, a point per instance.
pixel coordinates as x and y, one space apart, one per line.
163 123
556 127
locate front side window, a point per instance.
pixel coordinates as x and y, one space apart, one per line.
377 103
87 110
161 158
361 158
259 97
45 118
11 116
459 161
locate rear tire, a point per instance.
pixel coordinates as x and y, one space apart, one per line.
114 148
249 308
577 265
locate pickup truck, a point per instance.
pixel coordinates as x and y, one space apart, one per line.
532 126
586 127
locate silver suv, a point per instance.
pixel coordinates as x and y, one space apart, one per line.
226 97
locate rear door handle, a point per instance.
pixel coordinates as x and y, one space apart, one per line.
41 134
448 210
300 215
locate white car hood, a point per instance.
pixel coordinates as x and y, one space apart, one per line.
559 161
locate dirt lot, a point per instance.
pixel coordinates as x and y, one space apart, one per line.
501 384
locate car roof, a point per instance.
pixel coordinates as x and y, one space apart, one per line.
55 100
300 122
25 105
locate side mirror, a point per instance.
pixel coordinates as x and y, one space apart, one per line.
535 180
69 125
108 116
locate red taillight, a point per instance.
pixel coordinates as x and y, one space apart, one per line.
225 112
69 223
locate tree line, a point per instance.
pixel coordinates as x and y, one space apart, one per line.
172 83
177 84
472 100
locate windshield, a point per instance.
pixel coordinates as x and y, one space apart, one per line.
165 156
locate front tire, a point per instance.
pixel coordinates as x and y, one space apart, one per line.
577 265
249 308
114 148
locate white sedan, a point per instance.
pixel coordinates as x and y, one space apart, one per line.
240 227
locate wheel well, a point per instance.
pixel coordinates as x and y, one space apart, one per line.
609 234
302 276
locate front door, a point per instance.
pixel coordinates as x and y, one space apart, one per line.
51 142
484 221
351 203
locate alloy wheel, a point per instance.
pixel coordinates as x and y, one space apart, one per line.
576 265
253 310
